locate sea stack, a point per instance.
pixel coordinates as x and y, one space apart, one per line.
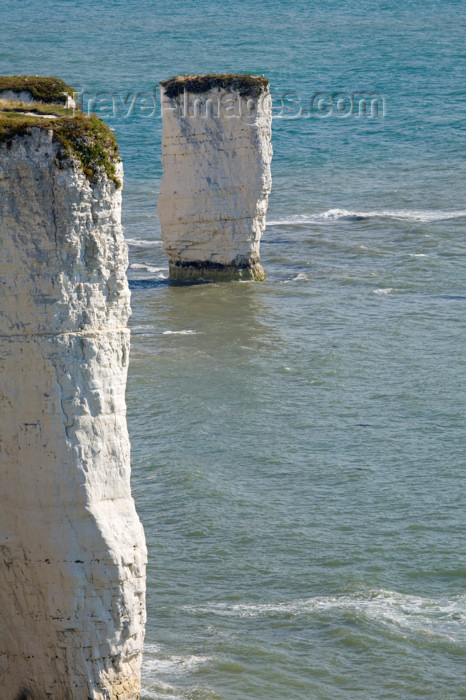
216 154
72 549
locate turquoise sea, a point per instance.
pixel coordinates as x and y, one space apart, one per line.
298 446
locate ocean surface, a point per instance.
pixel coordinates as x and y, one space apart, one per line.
298 446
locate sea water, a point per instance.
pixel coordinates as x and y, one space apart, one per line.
297 445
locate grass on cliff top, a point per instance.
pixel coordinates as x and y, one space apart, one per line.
246 85
36 107
42 89
88 139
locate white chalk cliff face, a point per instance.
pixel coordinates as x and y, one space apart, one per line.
72 550
216 154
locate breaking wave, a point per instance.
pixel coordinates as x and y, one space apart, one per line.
443 618
143 243
349 215
147 268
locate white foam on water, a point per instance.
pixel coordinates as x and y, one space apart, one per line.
178 665
163 690
348 214
157 664
384 290
444 618
147 268
143 243
301 276
187 332
343 214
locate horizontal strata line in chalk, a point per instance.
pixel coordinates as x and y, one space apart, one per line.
224 191
220 135
97 331
252 217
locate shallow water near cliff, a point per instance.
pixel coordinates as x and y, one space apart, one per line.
297 445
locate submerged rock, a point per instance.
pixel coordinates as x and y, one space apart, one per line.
216 154
72 549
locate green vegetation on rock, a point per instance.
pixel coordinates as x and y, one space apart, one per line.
38 108
50 90
14 123
246 85
91 141
87 139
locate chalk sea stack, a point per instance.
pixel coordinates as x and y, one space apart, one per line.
72 549
216 154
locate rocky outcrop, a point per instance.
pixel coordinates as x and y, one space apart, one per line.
216 153
72 551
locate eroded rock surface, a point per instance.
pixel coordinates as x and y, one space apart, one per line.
72 550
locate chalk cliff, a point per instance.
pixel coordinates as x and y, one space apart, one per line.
216 153
72 550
